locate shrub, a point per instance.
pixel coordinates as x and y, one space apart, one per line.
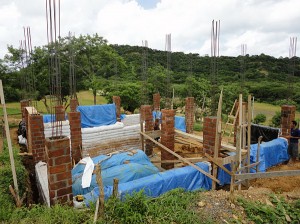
276 119
259 118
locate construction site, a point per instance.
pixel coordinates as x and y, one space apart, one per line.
91 153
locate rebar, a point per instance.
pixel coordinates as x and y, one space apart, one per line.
144 87
215 52
292 64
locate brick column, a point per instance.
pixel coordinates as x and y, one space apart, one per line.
209 135
24 103
287 116
189 114
60 113
156 101
35 134
117 101
73 104
167 137
59 170
146 115
76 137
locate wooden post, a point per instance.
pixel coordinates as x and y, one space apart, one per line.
115 188
249 135
217 139
240 134
100 200
11 156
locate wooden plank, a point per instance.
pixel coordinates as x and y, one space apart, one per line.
249 176
195 137
248 166
142 137
11 157
180 157
194 160
219 164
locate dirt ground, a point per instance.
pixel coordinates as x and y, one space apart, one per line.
217 203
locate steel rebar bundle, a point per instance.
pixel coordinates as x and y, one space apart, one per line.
168 80
72 74
144 87
54 69
243 54
215 52
28 83
292 64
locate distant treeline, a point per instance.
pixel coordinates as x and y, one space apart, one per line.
135 73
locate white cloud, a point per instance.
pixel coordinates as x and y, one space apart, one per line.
265 26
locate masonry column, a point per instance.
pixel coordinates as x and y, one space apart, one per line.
60 113
24 103
35 134
75 131
156 101
59 170
209 135
146 115
189 114
287 116
73 104
167 137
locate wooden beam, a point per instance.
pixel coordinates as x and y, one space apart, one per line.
218 163
194 160
180 157
187 135
250 176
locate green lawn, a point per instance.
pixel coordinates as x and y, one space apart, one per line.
269 110
84 98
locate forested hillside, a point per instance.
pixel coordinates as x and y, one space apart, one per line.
135 73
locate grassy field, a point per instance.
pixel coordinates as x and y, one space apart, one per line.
84 98
269 110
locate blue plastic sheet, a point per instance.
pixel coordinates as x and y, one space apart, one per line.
187 178
271 153
123 166
156 115
97 115
180 123
47 118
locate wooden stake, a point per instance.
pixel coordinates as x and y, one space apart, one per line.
100 200
115 188
11 156
217 138
249 136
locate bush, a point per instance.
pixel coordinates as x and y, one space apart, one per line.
276 120
198 126
259 118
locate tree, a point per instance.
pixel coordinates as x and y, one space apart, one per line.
128 92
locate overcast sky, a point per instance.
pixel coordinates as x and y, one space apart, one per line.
265 26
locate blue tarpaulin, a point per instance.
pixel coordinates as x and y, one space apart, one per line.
47 118
271 153
123 166
156 115
154 185
97 115
180 123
